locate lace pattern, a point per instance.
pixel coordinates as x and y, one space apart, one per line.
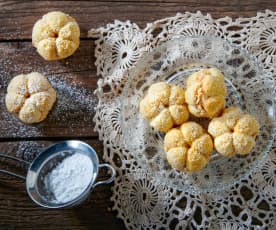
139 199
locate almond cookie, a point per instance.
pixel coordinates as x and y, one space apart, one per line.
164 106
234 132
30 97
188 148
205 93
56 36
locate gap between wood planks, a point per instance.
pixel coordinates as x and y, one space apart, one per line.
48 138
17 18
30 40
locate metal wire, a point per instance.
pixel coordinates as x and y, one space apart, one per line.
15 159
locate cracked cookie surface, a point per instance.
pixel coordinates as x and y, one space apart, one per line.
205 93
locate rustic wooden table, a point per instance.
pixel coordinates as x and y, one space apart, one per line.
18 56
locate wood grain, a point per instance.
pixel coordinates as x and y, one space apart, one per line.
18 17
17 211
74 79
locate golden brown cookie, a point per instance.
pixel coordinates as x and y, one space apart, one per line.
30 97
164 106
188 147
56 35
205 93
234 132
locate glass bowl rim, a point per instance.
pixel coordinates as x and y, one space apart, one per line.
263 154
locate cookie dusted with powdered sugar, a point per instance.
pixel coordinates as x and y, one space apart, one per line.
30 97
234 132
188 147
205 93
56 35
164 106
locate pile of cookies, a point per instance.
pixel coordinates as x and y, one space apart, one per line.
188 146
30 97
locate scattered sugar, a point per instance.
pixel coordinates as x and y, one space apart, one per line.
28 150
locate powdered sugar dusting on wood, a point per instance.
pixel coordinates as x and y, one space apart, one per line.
74 107
73 78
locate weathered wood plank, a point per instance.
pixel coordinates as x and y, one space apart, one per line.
17 211
74 79
17 17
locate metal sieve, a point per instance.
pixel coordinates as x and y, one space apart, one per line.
46 161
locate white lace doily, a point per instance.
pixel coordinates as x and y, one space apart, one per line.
140 201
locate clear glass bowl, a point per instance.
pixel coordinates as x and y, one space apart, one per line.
173 61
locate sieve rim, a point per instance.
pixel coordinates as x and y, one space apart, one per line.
38 163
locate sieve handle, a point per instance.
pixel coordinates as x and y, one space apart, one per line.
109 180
14 159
